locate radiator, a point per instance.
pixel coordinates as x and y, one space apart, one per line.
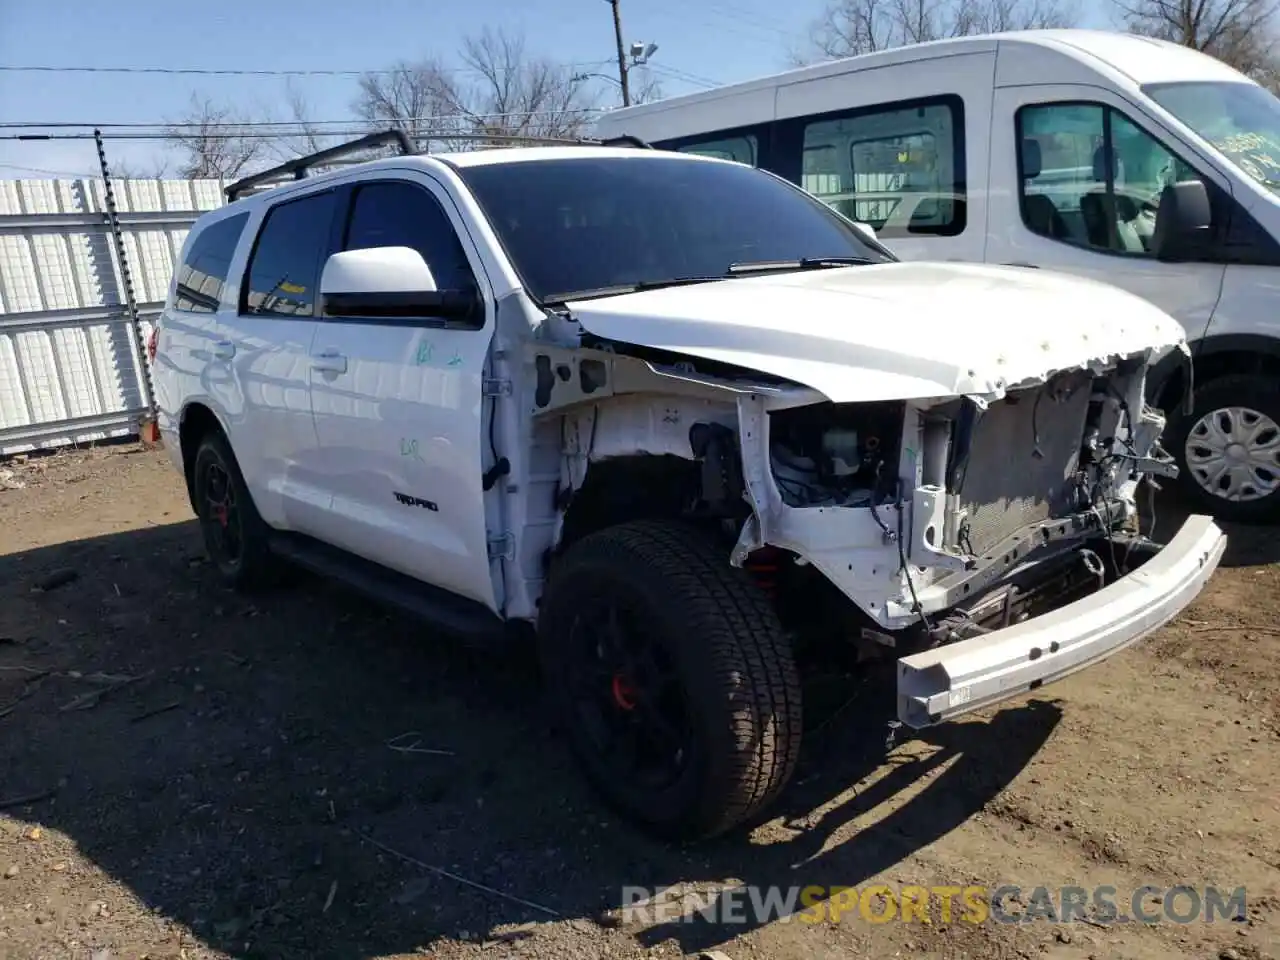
1006 487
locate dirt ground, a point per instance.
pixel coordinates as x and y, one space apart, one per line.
188 773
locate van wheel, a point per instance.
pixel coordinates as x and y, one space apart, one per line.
669 672
235 536
1228 449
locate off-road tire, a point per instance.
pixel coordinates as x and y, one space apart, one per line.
1243 390
734 667
254 567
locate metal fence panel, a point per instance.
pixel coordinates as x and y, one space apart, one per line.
69 365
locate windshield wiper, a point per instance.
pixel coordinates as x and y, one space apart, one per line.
621 288
805 263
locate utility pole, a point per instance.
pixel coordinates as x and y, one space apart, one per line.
622 56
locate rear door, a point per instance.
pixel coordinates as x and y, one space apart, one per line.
398 401
1080 172
265 348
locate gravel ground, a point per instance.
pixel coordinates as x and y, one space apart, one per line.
189 773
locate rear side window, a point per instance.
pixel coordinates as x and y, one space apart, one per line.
391 214
203 272
284 270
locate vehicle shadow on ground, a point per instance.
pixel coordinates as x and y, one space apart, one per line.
1248 545
239 764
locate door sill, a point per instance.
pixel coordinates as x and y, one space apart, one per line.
457 615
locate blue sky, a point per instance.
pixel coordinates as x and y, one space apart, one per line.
720 40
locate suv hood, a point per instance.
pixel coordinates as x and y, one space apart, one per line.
891 331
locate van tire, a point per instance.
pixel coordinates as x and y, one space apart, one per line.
1258 398
739 722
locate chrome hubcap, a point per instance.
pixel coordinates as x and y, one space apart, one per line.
1234 453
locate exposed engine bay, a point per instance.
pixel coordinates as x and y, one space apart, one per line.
993 512
835 454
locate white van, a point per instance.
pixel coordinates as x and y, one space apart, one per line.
1075 150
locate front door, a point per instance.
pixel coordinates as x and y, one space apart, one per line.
398 403
1080 173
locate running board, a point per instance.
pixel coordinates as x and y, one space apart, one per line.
452 613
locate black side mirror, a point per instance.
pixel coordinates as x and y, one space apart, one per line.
1183 221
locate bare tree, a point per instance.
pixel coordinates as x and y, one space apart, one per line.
155 168
1238 32
211 144
645 87
847 28
500 90
300 134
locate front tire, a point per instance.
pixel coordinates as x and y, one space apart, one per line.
1228 449
235 536
669 671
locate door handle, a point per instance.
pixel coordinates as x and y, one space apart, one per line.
224 349
330 361
1019 263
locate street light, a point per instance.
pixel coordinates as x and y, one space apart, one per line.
640 54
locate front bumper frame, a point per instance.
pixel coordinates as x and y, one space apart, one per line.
950 681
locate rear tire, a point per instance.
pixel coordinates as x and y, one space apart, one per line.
235 536
656 649
1228 449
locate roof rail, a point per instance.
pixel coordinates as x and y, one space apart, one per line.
299 167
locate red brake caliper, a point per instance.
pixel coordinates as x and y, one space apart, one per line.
624 695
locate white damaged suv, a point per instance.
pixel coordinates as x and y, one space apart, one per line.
682 418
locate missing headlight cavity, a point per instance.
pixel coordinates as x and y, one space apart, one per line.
831 454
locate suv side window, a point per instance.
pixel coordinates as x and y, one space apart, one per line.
1090 176
398 214
284 269
203 273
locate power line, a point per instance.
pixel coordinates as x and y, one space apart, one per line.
74 174
235 72
301 125
691 78
425 135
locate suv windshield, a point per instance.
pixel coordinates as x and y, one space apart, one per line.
590 223
1240 119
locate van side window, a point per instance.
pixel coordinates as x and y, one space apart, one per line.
1090 176
744 149
399 214
204 271
897 167
284 269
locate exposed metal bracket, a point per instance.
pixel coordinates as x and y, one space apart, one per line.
502 545
495 388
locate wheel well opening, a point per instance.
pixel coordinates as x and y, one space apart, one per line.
197 422
1215 366
621 489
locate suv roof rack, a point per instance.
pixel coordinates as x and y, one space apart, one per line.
626 139
299 167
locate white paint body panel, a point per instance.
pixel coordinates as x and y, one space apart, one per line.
403 415
891 331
